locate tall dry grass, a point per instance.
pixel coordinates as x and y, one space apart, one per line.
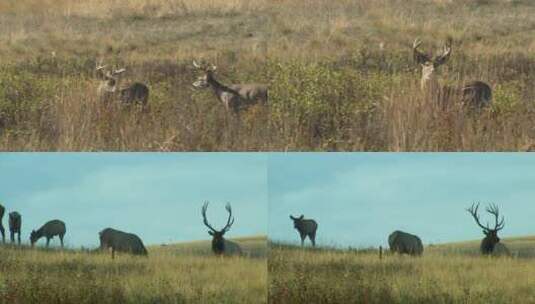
341 74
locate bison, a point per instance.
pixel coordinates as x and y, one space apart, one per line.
405 243
306 227
49 230
121 242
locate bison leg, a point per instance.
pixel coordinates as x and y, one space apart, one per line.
312 238
61 240
18 237
47 242
2 230
302 239
112 253
12 236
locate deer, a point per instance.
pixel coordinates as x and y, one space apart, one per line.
234 97
48 231
221 246
109 90
474 94
491 240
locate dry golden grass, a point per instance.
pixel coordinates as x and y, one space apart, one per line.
452 273
167 276
341 74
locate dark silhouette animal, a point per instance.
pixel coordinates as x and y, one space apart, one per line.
306 227
2 230
234 97
405 243
15 223
473 94
491 239
49 230
221 246
121 242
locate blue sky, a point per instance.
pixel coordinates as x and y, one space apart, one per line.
359 198
155 195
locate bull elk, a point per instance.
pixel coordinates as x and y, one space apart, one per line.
491 239
306 228
234 97
221 246
405 243
15 223
2 230
473 94
49 230
109 89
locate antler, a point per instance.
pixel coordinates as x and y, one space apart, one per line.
98 64
204 66
473 211
446 51
204 207
493 209
419 57
229 221
119 71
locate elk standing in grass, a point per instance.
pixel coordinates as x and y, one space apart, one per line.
491 239
15 223
474 94
109 89
234 97
2 230
306 227
405 243
121 242
49 230
221 246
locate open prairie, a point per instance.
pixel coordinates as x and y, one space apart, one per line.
450 273
178 273
340 73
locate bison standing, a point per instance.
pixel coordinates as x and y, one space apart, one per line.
122 242
49 230
15 223
402 242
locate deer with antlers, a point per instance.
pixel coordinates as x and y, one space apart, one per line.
491 240
109 89
221 246
234 97
474 94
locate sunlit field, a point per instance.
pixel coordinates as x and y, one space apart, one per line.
340 73
178 273
452 273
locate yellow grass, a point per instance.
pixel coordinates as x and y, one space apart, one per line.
168 275
451 273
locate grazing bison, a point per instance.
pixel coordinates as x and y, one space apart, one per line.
221 246
491 239
306 227
402 242
121 242
15 222
2 230
49 230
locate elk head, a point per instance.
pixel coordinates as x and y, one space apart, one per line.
491 235
218 242
204 80
297 220
429 64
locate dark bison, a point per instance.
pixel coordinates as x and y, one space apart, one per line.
306 227
491 239
121 242
2 230
219 244
403 242
15 223
49 230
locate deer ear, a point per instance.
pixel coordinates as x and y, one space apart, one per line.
301 217
292 217
210 232
485 232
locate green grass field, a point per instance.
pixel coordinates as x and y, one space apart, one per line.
341 74
177 273
449 273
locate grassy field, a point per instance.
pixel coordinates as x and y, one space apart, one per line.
171 274
451 273
340 73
